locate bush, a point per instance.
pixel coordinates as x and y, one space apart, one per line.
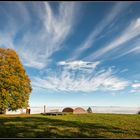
89 110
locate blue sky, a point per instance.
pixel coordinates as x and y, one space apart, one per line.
76 53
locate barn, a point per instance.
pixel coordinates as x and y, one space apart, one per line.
68 109
79 110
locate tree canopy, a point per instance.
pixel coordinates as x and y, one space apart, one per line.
15 86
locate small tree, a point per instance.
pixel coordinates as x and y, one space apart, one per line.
14 83
89 110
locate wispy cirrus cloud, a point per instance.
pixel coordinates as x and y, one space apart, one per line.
136 85
57 27
79 64
135 88
44 30
80 80
113 15
16 17
130 32
134 49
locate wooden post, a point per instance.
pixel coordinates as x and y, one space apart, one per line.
28 110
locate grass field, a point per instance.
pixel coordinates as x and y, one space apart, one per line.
70 126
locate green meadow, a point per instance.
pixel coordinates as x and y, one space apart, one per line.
70 126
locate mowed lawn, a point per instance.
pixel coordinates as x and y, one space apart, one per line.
70 126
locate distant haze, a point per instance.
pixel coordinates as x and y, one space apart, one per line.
95 109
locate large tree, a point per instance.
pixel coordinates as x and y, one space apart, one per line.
15 87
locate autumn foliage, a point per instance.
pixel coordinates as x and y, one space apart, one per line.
15 86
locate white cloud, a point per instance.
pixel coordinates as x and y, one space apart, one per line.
79 64
124 70
44 30
136 85
81 82
135 91
134 50
113 14
133 30
135 88
13 17
58 26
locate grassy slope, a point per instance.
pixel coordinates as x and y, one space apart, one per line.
75 126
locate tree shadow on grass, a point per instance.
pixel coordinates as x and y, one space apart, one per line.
45 127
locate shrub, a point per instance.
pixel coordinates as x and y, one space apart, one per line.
89 110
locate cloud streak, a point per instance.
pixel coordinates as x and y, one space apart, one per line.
44 30
57 28
116 10
135 88
79 65
134 49
132 31
81 80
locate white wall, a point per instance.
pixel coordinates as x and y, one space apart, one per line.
19 111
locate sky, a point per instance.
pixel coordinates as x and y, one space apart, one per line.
76 53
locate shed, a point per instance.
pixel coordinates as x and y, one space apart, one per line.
79 110
67 109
